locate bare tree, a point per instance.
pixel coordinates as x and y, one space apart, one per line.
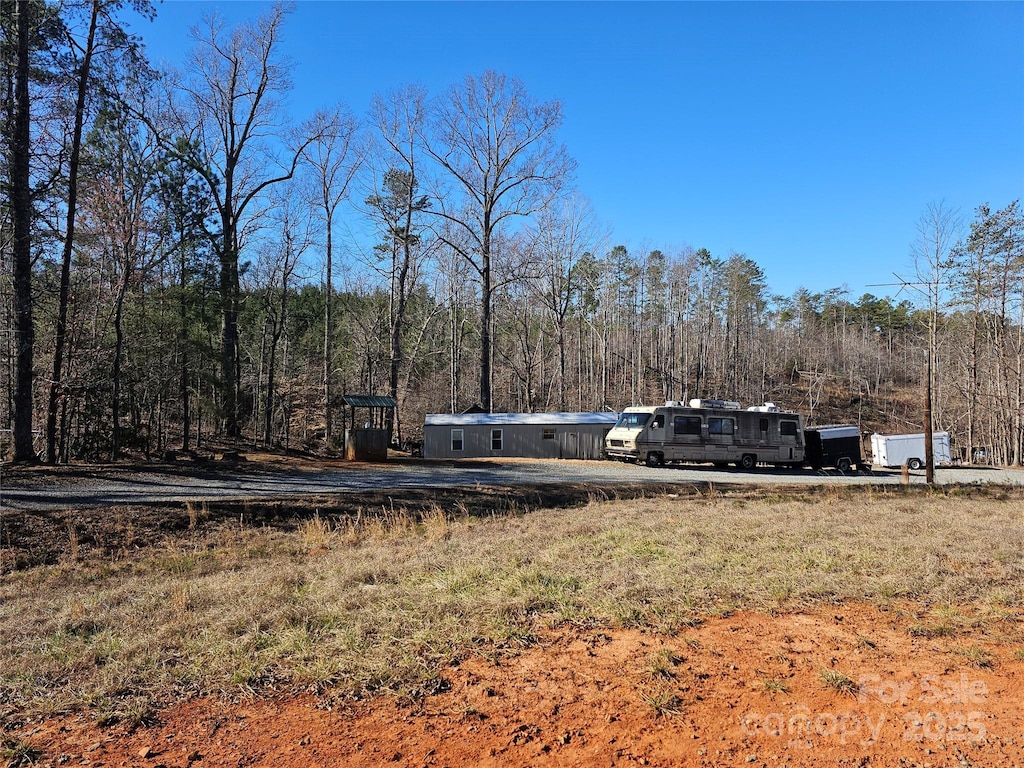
273 277
85 50
102 35
989 281
973 270
120 166
230 105
21 213
745 287
398 206
334 158
454 290
185 202
564 234
938 230
496 145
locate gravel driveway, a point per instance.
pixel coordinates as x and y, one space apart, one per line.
64 487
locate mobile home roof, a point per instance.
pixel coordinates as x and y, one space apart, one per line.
539 419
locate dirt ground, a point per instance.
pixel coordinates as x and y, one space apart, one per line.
849 685
846 686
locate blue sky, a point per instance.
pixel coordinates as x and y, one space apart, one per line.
809 136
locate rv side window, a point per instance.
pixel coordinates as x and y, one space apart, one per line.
633 420
548 434
457 440
659 422
495 439
788 428
686 425
720 426
764 425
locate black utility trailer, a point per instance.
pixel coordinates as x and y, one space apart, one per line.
834 445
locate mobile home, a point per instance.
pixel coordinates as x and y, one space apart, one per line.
714 431
561 435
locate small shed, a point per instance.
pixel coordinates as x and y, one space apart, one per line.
561 435
367 437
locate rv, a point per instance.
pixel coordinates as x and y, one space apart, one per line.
834 445
715 431
897 450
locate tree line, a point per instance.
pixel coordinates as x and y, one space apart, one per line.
176 273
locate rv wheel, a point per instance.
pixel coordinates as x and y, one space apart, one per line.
747 462
654 459
914 463
843 465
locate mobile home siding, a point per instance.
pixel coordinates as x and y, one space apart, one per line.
522 435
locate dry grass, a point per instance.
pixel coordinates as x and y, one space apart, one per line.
386 599
773 687
16 753
662 664
838 681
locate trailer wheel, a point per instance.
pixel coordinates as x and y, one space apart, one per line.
747 462
844 464
654 459
914 463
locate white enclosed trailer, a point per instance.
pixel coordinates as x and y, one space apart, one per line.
897 450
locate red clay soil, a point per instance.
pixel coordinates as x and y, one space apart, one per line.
847 686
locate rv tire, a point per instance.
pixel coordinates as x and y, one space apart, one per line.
844 464
654 459
747 462
914 463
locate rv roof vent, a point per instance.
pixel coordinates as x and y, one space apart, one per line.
766 408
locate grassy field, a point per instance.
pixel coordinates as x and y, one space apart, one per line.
347 607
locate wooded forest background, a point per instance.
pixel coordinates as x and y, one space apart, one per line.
183 266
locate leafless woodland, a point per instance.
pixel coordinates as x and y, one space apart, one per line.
180 268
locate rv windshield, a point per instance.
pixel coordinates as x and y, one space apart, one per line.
633 420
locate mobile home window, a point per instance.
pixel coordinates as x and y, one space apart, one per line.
458 440
495 439
788 428
548 434
720 426
686 425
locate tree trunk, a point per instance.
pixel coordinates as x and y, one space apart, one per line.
398 316
328 327
21 213
186 423
268 411
454 357
115 399
229 362
485 323
69 238
563 393
397 330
